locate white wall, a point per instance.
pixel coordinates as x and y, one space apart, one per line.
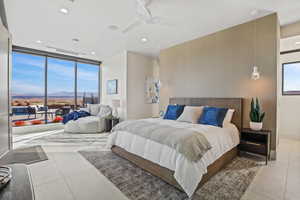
115 68
131 70
139 67
288 106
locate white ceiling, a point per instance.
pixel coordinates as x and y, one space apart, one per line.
88 20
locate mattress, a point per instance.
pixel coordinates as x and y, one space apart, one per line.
188 174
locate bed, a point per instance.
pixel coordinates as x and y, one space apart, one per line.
171 166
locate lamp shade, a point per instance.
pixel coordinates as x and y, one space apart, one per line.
116 103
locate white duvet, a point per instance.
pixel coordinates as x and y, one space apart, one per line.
188 174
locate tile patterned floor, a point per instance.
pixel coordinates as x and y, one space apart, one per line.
68 176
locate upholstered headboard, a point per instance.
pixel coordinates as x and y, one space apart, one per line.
233 103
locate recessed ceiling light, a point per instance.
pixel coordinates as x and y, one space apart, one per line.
297 43
113 27
75 40
93 53
144 40
64 10
39 41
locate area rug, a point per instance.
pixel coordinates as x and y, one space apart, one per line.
27 155
137 184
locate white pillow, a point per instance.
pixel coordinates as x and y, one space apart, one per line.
94 109
191 114
228 116
104 111
85 109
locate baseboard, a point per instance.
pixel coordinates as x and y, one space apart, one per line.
273 155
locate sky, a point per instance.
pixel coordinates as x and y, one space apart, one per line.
291 77
28 76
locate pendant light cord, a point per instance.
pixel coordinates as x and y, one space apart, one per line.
255 60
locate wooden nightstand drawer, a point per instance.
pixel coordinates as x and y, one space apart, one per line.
256 138
253 147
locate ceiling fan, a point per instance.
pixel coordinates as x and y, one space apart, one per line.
144 16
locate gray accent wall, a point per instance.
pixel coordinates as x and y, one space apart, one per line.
220 65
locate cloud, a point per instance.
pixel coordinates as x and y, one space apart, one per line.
21 87
27 61
68 72
86 75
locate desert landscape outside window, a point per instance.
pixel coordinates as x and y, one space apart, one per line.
54 87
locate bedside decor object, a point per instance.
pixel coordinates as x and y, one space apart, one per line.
112 86
256 116
257 142
116 103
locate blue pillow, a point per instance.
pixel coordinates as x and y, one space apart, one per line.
173 112
213 116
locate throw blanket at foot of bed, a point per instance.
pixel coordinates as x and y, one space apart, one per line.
192 144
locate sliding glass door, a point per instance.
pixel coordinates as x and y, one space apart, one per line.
60 87
45 88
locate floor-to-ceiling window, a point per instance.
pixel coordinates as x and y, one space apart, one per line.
87 84
60 87
28 89
44 88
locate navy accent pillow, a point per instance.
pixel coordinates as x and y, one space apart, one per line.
213 116
173 112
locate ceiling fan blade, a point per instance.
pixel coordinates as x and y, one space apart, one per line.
132 26
142 8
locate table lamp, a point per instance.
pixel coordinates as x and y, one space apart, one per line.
116 103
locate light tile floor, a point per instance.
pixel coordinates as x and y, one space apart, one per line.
280 180
68 176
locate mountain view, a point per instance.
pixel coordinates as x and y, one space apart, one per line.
28 88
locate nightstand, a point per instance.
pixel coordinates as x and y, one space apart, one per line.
257 142
110 123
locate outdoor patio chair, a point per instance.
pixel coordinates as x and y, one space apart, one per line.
31 111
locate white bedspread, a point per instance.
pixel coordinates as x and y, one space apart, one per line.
188 174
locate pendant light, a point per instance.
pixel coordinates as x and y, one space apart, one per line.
255 73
